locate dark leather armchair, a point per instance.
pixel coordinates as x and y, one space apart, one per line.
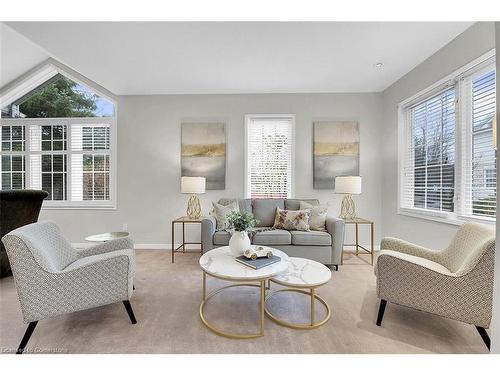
17 208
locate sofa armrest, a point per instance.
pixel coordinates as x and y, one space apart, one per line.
336 228
208 228
404 247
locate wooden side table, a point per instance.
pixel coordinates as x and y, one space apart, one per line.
357 222
182 247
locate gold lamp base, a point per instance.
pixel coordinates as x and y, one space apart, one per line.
348 209
194 207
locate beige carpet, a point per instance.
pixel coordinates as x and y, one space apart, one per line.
166 305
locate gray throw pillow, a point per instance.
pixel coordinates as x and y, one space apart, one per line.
318 215
221 213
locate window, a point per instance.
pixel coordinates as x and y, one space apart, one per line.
431 137
448 163
269 156
13 160
58 137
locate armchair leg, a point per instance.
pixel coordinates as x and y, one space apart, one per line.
26 337
484 336
130 311
381 311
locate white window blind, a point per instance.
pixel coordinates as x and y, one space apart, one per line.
448 165
70 158
479 169
13 165
428 172
269 156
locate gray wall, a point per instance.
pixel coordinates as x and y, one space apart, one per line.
475 41
149 157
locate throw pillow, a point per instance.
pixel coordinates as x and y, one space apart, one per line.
221 212
292 220
318 215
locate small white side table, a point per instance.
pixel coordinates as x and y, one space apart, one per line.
104 237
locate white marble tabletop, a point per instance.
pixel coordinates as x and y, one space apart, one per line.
221 263
304 273
103 237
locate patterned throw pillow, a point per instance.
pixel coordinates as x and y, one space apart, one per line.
292 220
221 212
318 215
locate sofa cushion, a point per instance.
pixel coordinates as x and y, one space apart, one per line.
221 237
264 210
311 238
272 237
294 204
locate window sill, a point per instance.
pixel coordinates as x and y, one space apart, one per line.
52 206
451 219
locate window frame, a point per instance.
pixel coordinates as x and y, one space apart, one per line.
68 121
248 119
462 146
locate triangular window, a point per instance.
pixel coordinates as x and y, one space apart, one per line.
59 97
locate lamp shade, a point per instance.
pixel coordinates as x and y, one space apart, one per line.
192 185
348 185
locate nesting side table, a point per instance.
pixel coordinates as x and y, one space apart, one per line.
182 247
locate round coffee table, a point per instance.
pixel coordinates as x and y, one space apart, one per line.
104 237
302 274
220 264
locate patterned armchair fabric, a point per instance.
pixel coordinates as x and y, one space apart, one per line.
456 282
52 278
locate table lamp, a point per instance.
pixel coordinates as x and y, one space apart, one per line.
193 186
348 185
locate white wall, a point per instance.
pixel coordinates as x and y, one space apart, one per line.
468 46
149 157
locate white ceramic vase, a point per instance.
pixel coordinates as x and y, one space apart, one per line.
239 242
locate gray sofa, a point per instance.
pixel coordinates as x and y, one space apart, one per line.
323 247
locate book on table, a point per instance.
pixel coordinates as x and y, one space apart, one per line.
257 263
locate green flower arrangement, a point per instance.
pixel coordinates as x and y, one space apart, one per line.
241 221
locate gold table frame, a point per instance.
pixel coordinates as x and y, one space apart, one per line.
314 297
357 222
264 297
210 326
182 247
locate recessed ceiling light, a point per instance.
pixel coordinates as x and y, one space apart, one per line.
378 65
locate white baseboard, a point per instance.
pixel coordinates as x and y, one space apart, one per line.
153 246
156 246
145 246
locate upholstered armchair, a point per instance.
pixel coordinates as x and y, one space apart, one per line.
52 278
456 282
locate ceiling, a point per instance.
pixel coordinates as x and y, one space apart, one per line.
18 55
139 58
